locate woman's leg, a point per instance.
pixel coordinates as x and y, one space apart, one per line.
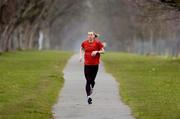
90 72
87 73
88 88
93 74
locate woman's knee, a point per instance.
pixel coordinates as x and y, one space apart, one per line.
88 81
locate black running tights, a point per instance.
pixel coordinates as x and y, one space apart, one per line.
90 72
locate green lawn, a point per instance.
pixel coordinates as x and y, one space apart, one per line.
29 83
149 85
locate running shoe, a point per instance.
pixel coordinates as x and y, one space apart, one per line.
89 100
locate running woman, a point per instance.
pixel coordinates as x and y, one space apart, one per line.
92 48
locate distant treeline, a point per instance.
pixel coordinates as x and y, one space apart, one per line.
21 21
174 3
140 26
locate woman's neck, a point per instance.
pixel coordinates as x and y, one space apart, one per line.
91 40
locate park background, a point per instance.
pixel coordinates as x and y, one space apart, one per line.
37 37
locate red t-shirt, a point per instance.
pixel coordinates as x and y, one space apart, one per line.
88 47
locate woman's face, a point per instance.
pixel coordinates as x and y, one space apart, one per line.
91 36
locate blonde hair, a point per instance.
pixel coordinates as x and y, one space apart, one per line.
92 32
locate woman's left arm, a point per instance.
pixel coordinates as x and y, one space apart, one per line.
101 51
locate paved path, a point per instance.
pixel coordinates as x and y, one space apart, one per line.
72 103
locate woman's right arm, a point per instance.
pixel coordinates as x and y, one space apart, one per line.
81 54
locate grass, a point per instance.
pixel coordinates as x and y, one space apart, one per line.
29 83
149 85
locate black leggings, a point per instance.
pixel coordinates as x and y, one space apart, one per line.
90 72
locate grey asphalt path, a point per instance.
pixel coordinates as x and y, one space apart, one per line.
72 102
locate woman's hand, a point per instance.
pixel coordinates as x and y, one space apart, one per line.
94 53
80 59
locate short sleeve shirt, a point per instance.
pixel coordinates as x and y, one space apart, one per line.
88 47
